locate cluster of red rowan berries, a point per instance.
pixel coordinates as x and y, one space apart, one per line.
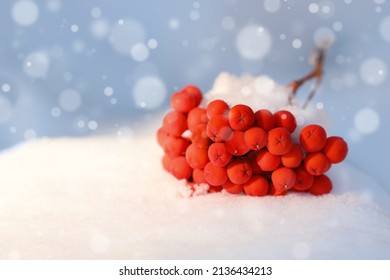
242 151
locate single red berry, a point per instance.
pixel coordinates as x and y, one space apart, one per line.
279 141
182 101
336 149
216 108
175 123
239 171
196 157
180 168
219 155
312 138
321 185
304 179
284 118
175 146
283 178
267 161
195 92
215 175
256 186
255 138
241 117
316 163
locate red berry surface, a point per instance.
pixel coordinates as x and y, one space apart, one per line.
239 171
321 185
219 155
216 108
336 149
195 92
286 119
215 175
279 141
264 119
316 163
312 138
182 101
255 138
283 178
218 128
241 117
175 123
256 186
236 144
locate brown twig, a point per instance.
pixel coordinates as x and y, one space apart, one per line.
316 73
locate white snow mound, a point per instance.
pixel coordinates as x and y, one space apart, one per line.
109 198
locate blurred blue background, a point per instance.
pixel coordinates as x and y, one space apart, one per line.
76 68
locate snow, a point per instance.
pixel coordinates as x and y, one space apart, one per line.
99 28
253 42
373 71
139 52
149 92
125 34
25 12
6 88
337 26
70 100
109 198
96 12
174 23
367 121
314 8
53 6
384 28
228 23
194 15
271 6
296 43
74 28
152 43
6 109
55 112
36 64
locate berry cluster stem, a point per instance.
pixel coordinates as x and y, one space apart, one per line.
316 73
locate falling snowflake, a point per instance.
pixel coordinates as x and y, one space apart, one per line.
253 42
25 12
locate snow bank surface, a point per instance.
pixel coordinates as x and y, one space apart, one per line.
109 198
